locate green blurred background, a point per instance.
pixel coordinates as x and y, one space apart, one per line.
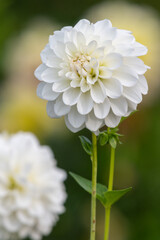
25 27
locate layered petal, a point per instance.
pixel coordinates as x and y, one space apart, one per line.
50 110
112 120
71 96
112 87
75 118
61 109
44 91
97 93
85 103
101 110
119 106
93 123
70 127
133 94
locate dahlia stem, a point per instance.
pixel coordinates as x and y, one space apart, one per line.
94 183
110 187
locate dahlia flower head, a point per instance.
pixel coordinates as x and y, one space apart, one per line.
91 74
32 192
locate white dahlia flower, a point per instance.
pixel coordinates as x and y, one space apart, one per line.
32 193
91 74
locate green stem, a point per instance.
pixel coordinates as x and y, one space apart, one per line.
94 183
110 187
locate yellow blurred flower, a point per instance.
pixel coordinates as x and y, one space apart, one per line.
20 108
144 23
23 110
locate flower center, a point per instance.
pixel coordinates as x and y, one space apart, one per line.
13 184
79 65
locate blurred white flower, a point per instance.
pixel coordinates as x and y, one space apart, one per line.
91 74
32 193
144 23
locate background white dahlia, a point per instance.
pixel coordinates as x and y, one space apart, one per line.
32 193
91 74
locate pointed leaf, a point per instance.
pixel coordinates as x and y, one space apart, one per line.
87 145
87 185
107 198
110 197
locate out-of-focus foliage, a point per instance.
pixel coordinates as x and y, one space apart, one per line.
137 215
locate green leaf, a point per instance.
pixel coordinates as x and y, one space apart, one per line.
87 145
110 197
107 198
103 138
113 141
87 185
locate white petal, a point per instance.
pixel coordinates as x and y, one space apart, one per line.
123 37
82 25
91 47
133 94
60 108
108 47
85 103
70 49
109 33
44 91
113 60
112 120
61 86
113 87
50 75
50 110
71 96
49 58
11 224
139 49
131 107
76 119
58 47
99 52
75 83
119 106
142 84
101 25
105 30
98 95
25 218
70 127
101 110
39 70
84 85
104 72
124 49
81 41
136 64
93 123
127 77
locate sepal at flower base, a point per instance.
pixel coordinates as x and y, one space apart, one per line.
87 145
110 136
107 198
103 138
